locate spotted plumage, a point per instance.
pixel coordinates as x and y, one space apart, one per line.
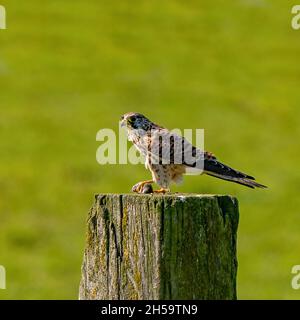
168 156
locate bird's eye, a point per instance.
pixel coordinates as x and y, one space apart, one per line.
132 119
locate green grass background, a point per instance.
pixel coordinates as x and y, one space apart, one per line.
69 68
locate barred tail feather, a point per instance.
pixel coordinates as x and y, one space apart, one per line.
250 183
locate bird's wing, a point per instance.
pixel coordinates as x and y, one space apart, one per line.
212 165
167 147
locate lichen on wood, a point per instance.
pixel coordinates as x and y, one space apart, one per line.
174 246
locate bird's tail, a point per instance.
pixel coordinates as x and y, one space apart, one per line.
219 170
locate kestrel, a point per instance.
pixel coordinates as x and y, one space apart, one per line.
169 156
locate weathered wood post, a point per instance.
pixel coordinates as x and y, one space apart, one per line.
177 246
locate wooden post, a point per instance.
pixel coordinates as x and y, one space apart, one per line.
177 246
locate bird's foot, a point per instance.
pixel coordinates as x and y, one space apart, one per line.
162 190
143 187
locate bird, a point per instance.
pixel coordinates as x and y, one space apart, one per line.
165 156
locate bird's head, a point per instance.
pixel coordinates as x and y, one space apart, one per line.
135 121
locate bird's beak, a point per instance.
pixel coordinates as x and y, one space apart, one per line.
123 123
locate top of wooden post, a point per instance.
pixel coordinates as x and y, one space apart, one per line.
161 246
176 195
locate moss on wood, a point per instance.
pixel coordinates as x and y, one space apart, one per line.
175 246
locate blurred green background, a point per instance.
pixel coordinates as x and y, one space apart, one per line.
69 68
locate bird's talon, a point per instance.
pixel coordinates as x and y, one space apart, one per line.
162 190
136 188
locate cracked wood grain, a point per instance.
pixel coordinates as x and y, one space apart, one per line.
160 247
